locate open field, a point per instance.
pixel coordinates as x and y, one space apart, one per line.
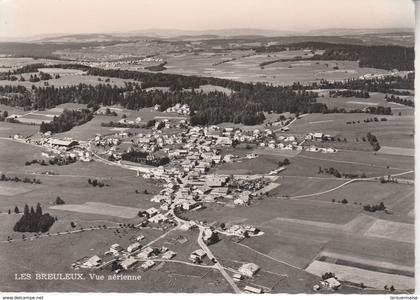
90 129
357 275
235 254
402 232
375 99
13 189
307 164
396 132
99 209
70 182
397 151
244 66
398 197
380 160
68 77
13 63
260 165
62 252
10 129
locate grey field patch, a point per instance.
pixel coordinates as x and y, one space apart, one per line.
98 208
397 151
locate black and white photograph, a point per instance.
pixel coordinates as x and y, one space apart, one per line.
207 147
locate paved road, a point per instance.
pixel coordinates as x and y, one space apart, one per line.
217 264
346 183
270 257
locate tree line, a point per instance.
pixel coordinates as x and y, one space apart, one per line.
67 120
386 57
396 85
348 93
246 105
399 100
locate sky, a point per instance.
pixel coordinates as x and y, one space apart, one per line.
24 18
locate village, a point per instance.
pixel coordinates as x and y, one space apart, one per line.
188 184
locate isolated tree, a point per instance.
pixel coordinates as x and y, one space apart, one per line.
38 211
59 201
26 210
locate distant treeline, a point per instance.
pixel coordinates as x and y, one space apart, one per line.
348 93
399 100
47 50
395 85
157 68
381 57
121 125
245 106
374 110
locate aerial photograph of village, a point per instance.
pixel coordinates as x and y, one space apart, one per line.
223 158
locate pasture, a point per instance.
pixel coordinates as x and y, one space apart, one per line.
375 99
244 65
97 208
66 79
356 275
64 250
397 131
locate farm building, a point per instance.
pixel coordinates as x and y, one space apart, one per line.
209 236
145 253
116 249
198 255
128 263
249 269
168 255
133 247
139 238
253 290
63 143
237 277
332 283
147 265
94 261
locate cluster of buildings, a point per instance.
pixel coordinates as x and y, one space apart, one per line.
125 121
59 148
331 283
242 230
181 109
317 136
314 148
